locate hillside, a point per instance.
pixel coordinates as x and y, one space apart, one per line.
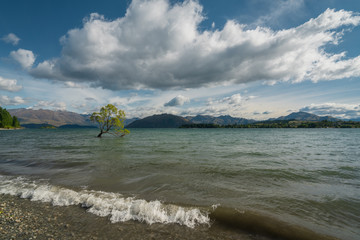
31 118
222 120
304 116
159 121
56 118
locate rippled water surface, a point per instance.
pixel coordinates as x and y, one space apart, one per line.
303 177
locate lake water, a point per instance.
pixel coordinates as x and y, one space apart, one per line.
283 183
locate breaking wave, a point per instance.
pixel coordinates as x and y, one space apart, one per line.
104 204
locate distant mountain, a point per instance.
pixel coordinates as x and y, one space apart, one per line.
159 121
70 119
55 118
37 125
222 120
70 126
130 120
304 116
355 119
44 117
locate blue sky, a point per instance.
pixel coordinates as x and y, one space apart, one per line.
254 59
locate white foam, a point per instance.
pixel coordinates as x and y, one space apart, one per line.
113 205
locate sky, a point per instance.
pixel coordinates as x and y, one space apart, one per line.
255 59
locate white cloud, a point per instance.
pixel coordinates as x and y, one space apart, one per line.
52 105
277 10
72 84
177 101
337 110
7 101
158 45
232 105
132 99
11 38
235 99
119 101
25 58
9 85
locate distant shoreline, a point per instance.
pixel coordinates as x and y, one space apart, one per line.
5 129
281 124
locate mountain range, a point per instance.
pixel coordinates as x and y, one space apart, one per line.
160 121
61 118
55 118
221 120
304 116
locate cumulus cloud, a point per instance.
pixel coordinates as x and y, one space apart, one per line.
232 105
129 100
337 110
72 84
11 38
9 85
53 105
7 101
177 101
160 46
25 58
235 99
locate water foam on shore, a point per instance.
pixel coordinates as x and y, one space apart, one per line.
104 204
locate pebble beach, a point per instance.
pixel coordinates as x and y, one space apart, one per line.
23 219
26 219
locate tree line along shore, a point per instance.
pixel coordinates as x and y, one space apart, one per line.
7 121
281 124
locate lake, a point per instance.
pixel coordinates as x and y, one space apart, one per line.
276 182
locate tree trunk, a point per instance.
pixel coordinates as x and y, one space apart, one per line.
99 136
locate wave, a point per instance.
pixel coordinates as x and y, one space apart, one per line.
120 209
104 204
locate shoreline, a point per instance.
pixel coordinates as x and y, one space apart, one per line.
25 219
5 129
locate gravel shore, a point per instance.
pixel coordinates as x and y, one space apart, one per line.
25 219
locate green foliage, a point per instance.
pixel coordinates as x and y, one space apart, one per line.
48 126
6 121
16 122
110 120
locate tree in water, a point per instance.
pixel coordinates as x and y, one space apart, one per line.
110 120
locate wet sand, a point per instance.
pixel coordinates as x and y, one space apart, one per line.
25 219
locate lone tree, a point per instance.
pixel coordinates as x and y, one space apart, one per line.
110 120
